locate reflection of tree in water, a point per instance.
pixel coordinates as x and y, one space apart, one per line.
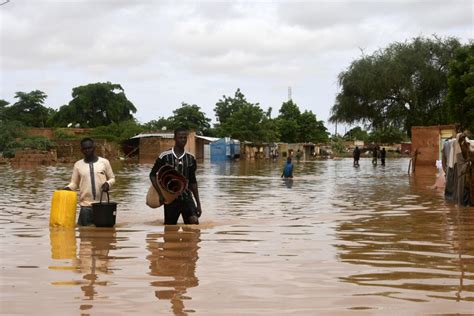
174 260
93 260
420 251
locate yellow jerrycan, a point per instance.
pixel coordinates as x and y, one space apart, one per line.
63 209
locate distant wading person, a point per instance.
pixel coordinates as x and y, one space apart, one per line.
374 156
356 155
91 175
185 163
383 154
287 169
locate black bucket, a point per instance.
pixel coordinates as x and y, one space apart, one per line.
104 213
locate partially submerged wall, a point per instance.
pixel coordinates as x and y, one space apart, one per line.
34 157
426 142
70 150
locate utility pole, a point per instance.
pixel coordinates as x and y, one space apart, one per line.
289 94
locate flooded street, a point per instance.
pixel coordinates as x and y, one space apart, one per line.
333 241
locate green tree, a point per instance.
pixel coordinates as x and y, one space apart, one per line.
227 106
191 117
243 120
400 86
295 127
249 123
96 104
311 130
119 131
157 125
288 122
356 133
389 135
29 109
461 87
3 107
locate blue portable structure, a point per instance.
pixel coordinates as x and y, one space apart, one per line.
224 149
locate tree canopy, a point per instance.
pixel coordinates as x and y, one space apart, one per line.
227 106
95 104
191 117
243 120
400 86
29 109
160 124
461 87
295 126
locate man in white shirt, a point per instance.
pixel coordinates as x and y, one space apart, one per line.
90 175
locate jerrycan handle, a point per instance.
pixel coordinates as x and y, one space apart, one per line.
108 197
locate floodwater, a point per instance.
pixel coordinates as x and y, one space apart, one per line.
334 241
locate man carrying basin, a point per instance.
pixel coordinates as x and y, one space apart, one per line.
91 175
185 163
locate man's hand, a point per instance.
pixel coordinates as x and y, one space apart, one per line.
198 211
105 187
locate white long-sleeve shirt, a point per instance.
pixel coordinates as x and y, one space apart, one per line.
89 178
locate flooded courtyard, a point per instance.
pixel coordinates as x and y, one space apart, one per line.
334 241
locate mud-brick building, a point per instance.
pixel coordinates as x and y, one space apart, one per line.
427 142
150 145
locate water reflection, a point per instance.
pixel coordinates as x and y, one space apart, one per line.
412 249
63 243
288 183
173 256
92 259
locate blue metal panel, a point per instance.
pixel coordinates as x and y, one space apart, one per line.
218 150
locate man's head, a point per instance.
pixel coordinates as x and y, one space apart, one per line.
87 147
180 137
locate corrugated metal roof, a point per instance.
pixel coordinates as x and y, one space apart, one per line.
208 138
162 135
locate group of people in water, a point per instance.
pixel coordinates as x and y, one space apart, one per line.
376 153
94 175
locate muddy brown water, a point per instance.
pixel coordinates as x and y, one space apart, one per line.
334 241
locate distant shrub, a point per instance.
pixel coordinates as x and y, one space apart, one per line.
36 142
10 133
64 134
117 132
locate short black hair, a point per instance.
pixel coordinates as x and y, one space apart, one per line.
180 129
87 139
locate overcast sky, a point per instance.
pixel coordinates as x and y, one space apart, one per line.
167 52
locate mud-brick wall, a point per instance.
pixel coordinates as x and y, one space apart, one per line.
49 132
70 150
34 157
151 147
45 132
425 140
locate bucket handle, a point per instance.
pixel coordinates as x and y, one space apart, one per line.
108 197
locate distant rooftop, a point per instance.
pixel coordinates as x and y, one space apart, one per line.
162 135
171 135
